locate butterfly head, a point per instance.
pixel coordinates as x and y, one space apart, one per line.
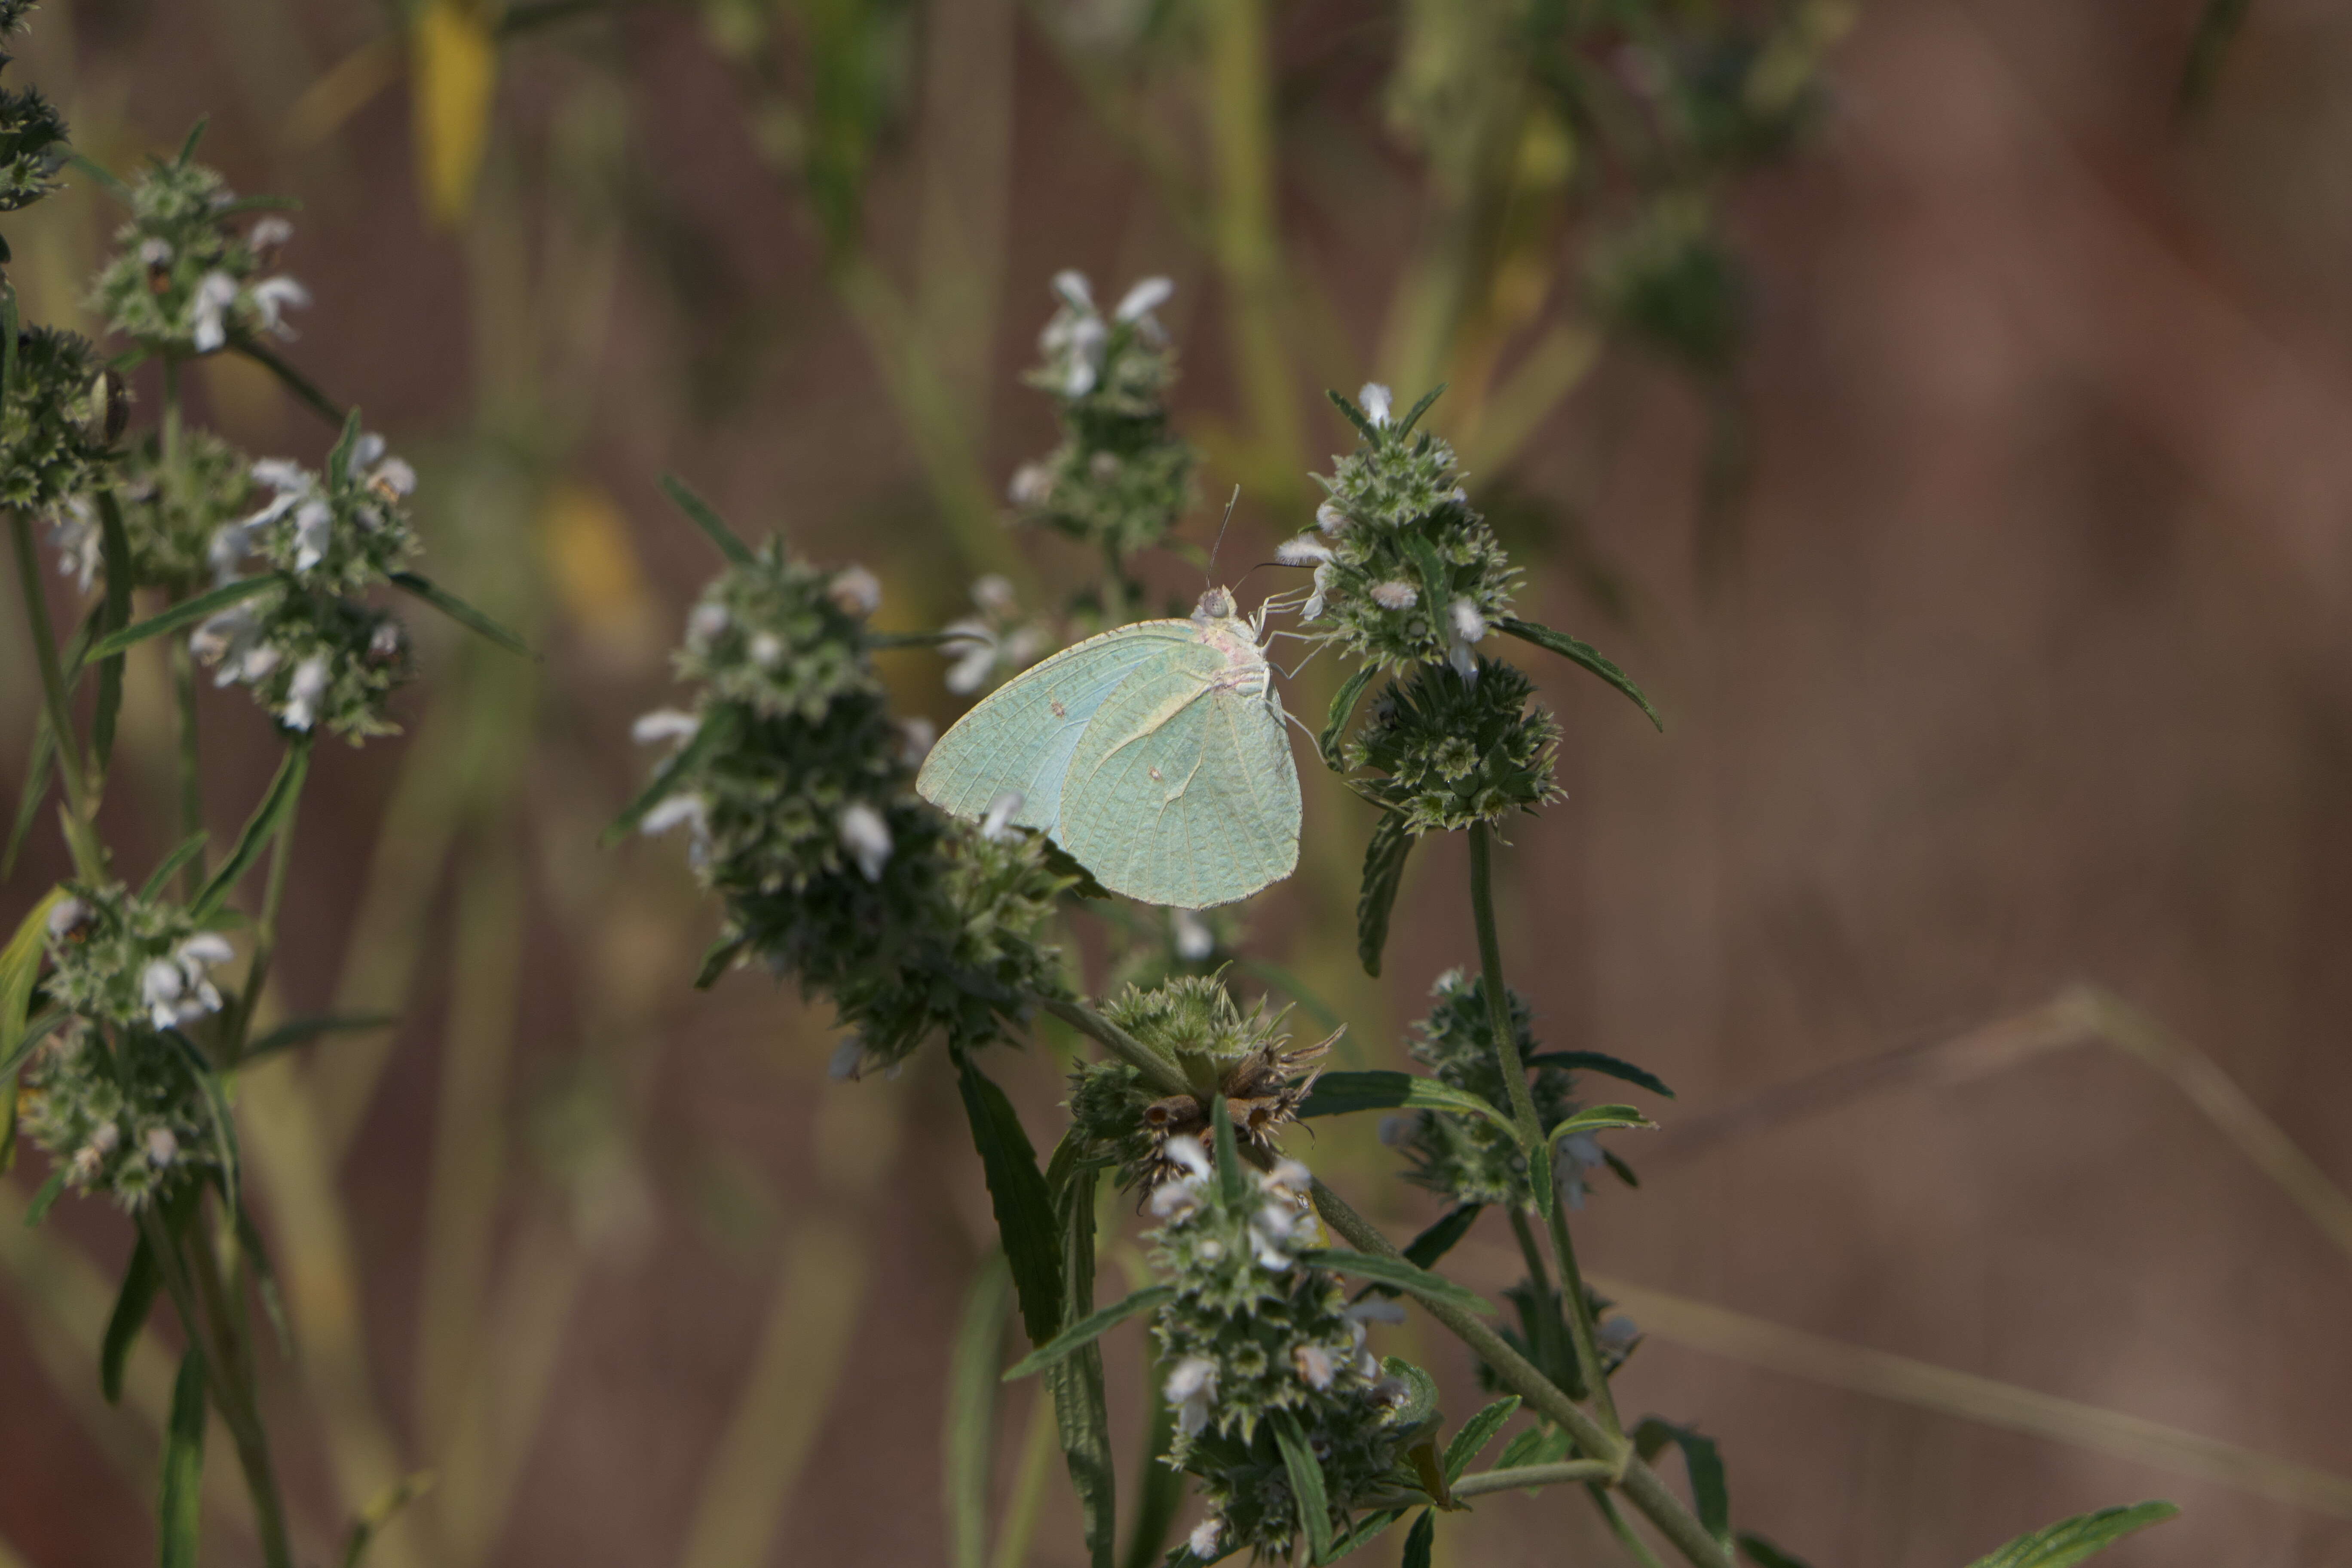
1216 605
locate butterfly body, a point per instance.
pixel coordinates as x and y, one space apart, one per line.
1156 754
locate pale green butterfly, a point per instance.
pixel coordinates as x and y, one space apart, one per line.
1155 754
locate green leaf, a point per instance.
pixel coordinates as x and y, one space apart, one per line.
1081 1404
1233 1182
1161 1485
114 614
1421 1539
46 1198
169 865
1306 1484
140 1281
1356 416
1384 858
1710 1498
1764 1554
1438 1240
716 731
1341 1093
1343 707
965 1441
2071 1540
1417 1410
179 1512
1025 1209
37 1031
1475 1434
700 513
1597 1119
20 968
338 460
1584 654
186 613
1412 416
195 135
1395 1271
37 761
1608 1066
1538 1445
457 610
270 816
264 1279
302 1031
1362 1534
208 1084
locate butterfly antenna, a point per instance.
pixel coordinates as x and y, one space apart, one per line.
1208 578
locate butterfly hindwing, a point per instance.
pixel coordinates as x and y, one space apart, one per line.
1022 735
1181 791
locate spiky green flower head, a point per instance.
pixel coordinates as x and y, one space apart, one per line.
174 517
1246 1057
53 424
1255 1340
313 648
1120 477
1451 753
193 269
796 785
1406 571
32 147
13 14
1468 1158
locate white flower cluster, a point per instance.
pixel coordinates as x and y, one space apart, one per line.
1073 340
178 990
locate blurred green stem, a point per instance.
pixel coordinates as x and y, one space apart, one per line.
1029 1481
265 928
192 789
1546 1324
90 861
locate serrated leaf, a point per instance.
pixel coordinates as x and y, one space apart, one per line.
1395 1271
268 817
1425 1249
703 517
1081 1403
1581 653
1362 1534
1475 1434
1385 854
1355 415
1341 1093
1543 1445
186 613
1421 1539
1306 1489
2071 1539
1597 1119
1025 1210
1607 1065
1343 707
179 1511
457 610
1710 1497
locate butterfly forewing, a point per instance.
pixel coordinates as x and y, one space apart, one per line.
1022 736
1182 790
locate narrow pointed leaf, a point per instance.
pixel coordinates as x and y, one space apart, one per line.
1384 857
1475 1434
264 1279
140 1281
1764 1554
179 1512
44 1198
1339 1093
169 865
13 1053
457 610
2071 1540
267 818
1421 1539
1306 1489
1585 654
1710 1498
701 514
1231 1180
1025 1209
1396 1271
1087 1329
43 754
1356 416
1425 1249
1597 1119
186 613
1343 707
1412 416
302 1031
1607 1065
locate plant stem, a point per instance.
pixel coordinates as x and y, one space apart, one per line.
87 858
1530 1475
170 425
192 791
1577 1309
1546 1321
1640 1483
265 930
225 1369
1635 1547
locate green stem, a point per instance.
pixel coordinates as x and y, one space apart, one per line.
1579 1309
171 426
265 930
226 1370
192 792
1623 1528
87 858
1546 1321
1640 1483
1530 1476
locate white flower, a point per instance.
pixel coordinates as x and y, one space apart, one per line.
270 233
1313 1363
1269 1229
1032 486
1469 629
867 837
222 636
80 543
208 311
994 594
1071 286
65 915
177 990
688 809
231 544
1184 1150
706 626
999 814
1176 1200
162 1147
1330 519
383 643
1375 399
274 296
314 530
1313 609
855 591
1195 941
767 650
915 737
392 479
972 665
303 692
1211 1249
1304 551
1146 297
1618 1334
364 452
1203 1541
1396 595
1575 1154
664 724
156 252
848 1057
160 985
1289 1179
1088 336
1377 1309
1191 1387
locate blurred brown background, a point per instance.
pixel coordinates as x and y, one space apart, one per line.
2020 661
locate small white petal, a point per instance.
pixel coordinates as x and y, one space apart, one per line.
670 813
855 591
1071 286
706 624
664 724
161 981
1195 941
1469 625
162 1148
1330 519
1396 595
848 1057
66 914
270 233
1193 1376
1175 1200
1203 1541
1375 399
999 814
994 594
867 837
767 650
1304 551
1378 1309
1143 298
205 947
1313 1363
1184 1151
